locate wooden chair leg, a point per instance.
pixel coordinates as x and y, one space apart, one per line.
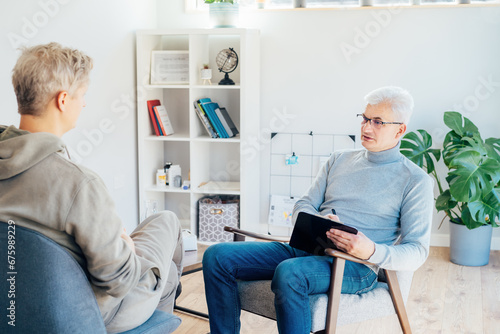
237 237
338 266
397 299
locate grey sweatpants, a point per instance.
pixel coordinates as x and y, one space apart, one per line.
158 243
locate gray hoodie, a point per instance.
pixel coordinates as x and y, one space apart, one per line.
42 190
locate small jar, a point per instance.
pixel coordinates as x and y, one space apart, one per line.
161 178
177 181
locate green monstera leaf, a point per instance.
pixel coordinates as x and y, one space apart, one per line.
472 175
445 202
493 148
468 220
461 125
463 136
418 149
454 145
487 209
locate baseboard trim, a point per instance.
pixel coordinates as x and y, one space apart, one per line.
443 240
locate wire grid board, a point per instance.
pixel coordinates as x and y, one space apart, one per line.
311 151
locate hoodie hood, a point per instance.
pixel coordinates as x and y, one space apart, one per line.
20 150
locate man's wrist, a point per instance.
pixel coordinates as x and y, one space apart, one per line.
372 251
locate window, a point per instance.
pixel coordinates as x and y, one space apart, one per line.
198 5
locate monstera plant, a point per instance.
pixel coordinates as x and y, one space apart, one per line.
472 197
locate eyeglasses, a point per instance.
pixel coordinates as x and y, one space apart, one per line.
377 124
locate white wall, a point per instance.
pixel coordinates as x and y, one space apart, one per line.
105 30
444 56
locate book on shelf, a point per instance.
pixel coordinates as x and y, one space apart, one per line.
204 118
227 122
152 115
163 120
159 118
215 119
209 108
202 104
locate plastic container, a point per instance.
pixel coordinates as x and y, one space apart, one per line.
175 170
161 178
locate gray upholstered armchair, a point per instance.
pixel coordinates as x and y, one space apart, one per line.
334 309
50 292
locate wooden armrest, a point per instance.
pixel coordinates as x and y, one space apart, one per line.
336 289
345 256
255 235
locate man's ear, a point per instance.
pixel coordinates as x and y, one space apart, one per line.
401 131
62 100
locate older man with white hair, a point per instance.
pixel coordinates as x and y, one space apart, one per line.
386 197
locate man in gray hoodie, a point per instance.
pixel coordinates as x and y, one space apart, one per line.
41 189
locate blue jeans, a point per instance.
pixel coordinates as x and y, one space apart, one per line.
295 275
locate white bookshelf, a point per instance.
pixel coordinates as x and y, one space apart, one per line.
213 166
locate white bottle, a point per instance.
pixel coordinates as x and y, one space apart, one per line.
175 170
160 178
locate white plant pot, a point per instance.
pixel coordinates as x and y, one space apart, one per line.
260 4
224 15
206 73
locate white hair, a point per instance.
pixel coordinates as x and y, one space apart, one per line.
399 99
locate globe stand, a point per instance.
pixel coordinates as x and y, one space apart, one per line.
226 80
227 61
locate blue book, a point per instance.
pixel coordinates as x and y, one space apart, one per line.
210 117
213 107
209 108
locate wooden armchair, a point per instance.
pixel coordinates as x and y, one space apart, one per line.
334 309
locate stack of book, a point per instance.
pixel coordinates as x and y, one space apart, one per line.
159 118
215 119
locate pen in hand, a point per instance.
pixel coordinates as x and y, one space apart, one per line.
335 214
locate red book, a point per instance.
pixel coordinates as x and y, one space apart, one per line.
151 104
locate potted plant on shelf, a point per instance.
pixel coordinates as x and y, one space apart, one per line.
472 199
223 13
206 74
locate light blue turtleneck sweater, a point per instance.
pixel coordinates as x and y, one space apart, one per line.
382 194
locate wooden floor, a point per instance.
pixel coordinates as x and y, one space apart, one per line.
444 298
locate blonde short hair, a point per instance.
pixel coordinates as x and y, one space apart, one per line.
43 71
